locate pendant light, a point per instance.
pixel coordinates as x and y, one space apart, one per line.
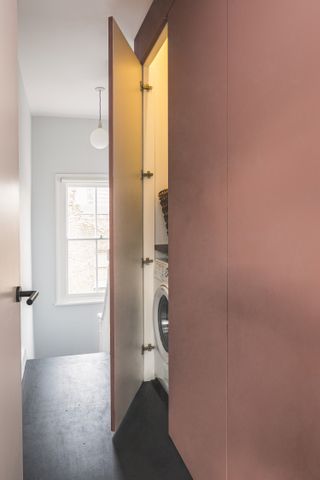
99 136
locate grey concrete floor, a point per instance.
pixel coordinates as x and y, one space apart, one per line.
66 426
66 420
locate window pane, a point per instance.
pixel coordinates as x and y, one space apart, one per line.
103 260
81 226
81 212
103 200
103 226
81 200
103 253
81 266
102 278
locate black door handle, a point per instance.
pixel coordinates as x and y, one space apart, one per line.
31 294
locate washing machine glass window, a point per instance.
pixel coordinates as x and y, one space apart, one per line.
163 322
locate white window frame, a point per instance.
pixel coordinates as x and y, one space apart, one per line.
62 295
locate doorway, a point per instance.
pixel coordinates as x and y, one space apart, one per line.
69 237
64 219
63 178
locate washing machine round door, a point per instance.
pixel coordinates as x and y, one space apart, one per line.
161 320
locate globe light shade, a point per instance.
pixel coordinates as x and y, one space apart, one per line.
99 138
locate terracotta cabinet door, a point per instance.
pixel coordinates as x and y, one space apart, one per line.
198 234
274 240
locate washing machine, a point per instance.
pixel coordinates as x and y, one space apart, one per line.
161 322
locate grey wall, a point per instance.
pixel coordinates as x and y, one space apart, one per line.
59 145
27 344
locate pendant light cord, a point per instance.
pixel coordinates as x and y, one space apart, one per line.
100 121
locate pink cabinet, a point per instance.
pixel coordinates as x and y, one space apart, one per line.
198 234
274 239
244 156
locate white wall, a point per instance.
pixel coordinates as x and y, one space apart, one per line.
59 145
27 344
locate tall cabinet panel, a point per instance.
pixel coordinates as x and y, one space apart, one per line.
125 164
198 233
274 240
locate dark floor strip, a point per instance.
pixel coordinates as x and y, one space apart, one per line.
143 445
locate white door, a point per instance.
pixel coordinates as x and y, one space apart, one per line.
10 380
126 223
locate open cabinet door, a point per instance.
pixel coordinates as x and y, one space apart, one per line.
126 224
10 348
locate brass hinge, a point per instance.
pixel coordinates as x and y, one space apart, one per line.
147 348
146 261
145 87
147 174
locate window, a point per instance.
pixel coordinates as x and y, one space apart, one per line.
82 238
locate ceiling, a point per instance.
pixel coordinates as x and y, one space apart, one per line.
63 51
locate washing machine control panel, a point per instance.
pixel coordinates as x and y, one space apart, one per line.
161 271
